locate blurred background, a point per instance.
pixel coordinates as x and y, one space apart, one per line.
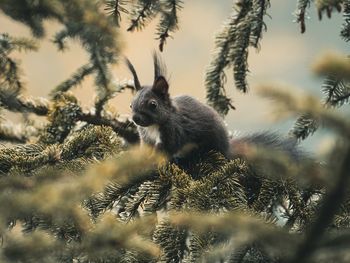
285 57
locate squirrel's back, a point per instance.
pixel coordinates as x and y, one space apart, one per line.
201 124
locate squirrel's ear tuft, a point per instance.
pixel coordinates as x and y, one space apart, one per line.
161 86
134 74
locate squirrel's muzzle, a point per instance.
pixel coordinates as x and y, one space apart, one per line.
141 121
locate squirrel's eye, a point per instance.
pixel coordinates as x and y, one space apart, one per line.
153 104
130 106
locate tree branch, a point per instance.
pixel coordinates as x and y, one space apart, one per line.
124 129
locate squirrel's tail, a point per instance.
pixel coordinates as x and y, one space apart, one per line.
240 146
251 147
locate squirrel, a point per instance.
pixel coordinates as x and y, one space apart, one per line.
175 126
180 125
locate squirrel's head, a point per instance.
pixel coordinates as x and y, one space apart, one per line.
151 104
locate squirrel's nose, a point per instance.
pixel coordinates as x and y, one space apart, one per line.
136 119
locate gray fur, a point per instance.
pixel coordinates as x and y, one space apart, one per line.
183 123
177 125
268 140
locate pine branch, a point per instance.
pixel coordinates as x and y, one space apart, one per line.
10 74
288 104
114 9
62 117
124 129
169 20
32 14
328 7
9 70
215 76
244 29
11 100
144 11
335 88
331 204
345 32
240 54
336 91
60 38
332 64
172 240
91 143
238 256
304 127
11 133
26 158
9 44
101 202
198 244
14 102
258 24
249 34
301 13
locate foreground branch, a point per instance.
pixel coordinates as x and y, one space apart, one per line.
124 129
331 205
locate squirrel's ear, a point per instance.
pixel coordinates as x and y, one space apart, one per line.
161 86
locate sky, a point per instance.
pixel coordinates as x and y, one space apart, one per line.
285 57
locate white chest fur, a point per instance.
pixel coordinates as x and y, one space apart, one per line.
151 133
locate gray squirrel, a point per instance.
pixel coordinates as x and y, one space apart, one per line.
181 125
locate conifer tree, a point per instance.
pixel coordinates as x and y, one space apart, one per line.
79 189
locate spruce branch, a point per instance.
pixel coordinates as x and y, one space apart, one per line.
145 199
114 8
328 7
62 117
335 88
169 20
301 13
304 127
9 44
10 72
172 240
330 206
239 224
242 30
33 14
238 256
258 24
345 31
323 6
335 65
198 244
26 158
125 129
289 104
240 54
215 76
60 38
144 11
120 183
336 91
91 143
11 133
11 100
